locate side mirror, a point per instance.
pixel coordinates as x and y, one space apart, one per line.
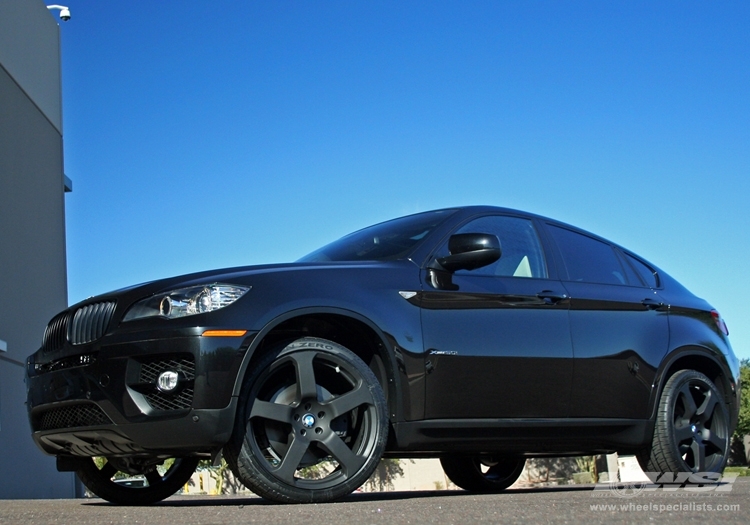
469 251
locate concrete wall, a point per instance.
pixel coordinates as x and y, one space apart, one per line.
33 281
30 53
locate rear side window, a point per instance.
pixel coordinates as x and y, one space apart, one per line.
587 259
648 275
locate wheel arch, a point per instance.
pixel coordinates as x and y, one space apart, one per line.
700 359
345 327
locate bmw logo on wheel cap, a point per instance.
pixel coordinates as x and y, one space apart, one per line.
308 420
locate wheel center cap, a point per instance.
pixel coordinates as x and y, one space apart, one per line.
308 420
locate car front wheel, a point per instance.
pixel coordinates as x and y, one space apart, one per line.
312 424
482 474
691 433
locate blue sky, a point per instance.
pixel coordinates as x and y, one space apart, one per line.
210 134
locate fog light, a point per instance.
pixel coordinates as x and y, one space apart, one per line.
167 381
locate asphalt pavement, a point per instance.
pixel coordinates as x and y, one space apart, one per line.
727 503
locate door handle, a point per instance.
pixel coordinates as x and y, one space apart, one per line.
651 304
551 297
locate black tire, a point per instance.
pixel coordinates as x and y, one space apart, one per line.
158 486
482 474
691 433
311 424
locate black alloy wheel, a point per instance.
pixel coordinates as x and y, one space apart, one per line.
312 424
482 474
692 429
156 485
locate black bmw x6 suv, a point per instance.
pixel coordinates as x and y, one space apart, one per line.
478 335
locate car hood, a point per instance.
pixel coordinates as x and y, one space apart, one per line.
242 275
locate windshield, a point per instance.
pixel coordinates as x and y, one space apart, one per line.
386 241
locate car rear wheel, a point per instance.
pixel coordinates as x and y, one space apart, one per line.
312 424
691 433
160 479
482 474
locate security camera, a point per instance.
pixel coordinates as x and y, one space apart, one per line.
64 11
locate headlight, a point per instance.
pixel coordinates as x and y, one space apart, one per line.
186 301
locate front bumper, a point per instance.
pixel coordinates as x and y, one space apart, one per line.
101 398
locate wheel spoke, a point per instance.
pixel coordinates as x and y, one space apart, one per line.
714 440
273 411
153 478
303 364
108 470
707 408
351 400
687 401
349 461
291 460
699 456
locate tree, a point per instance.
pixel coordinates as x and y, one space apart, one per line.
226 482
550 469
386 471
743 423
588 464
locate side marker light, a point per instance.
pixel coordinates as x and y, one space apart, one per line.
224 333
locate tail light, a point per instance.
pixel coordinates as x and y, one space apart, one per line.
720 322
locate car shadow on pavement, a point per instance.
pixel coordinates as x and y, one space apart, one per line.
241 501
